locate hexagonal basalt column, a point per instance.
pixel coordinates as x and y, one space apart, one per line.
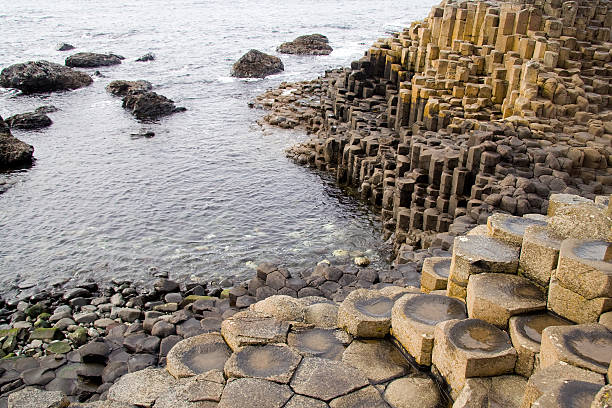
526 336
539 254
583 268
495 297
250 328
366 313
557 201
271 362
414 318
568 394
574 307
434 274
585 345
478 254
471 348
197 355
316 342
510 228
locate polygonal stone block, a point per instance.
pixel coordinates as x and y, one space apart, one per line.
585 345
509 228
434 275
478 254
539 254
414 318
583 268
272 362
574 307
196 355
250 328
471 348
366 313
377 359
568 394
582 221
495 297
557 201
502 390
526 335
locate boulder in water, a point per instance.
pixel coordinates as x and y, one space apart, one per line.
256 64
65 47
146 105
29 121
92 60
147 57
42 76
313 44
13 152
122 88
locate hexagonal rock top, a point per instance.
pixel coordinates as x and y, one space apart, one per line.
33 397
478 254
471 348
414 318
379 360
270 362
526 334
568 394
583 269
509 228
254 392
365 397
141 388
281 307
585 345
434 275
250 328
366 313
197 355
202 391
539 254
557 201
315 342
326 379
494 297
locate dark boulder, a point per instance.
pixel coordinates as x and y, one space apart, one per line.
42 76
65 47
149 105
46 109
313 44
29 121
147 57
13 152
92 60
122 88
256 64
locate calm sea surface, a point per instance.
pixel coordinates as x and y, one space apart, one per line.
211 194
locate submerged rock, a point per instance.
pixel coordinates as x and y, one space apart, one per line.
42 76
65 47
256 64
92 60
122 88
29 121
13 152
147 57
313 44
149 105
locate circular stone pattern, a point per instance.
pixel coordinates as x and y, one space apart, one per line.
270 362
433 309
197 355
478 336
317 343
366 313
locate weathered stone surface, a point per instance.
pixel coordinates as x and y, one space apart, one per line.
313 44
526 334
583 269
568 394
539 254
471 348
509 228
31 397
586 345
574 307
147 105
603 399
122 88
91 60
366 313
414 318
42 76
559 201
13 152
412 392
197 355
253 392
500 391
546 377
378 360
582 221
280 307
141 388
478 254
323 315
495 297
300 401
202 391
365 397
434 275
313 375
270 362
256 64
250 328
316 342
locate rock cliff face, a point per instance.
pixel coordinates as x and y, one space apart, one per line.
479 107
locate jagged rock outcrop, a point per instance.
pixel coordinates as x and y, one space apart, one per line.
313 44
42 76
256 64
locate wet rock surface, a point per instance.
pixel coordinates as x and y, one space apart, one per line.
146 105
313 44
92 60
42 76
122 88
256 64
29 121
13 152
